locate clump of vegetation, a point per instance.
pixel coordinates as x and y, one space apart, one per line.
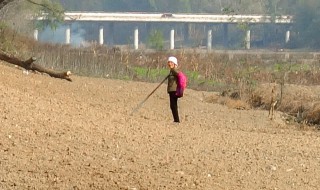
155 40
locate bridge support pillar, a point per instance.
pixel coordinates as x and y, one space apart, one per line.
209 39
101 35
248 39
35 34
287 39
172 38
68 34
136 38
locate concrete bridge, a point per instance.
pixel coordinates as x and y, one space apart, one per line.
185 19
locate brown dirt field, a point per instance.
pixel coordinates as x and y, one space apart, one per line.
57 134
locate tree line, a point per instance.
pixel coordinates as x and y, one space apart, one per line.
306 13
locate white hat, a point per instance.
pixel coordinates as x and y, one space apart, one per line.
173 60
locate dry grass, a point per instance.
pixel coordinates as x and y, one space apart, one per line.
247 79
301 102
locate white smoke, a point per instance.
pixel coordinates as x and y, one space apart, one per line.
58 36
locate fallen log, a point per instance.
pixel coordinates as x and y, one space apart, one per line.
30 65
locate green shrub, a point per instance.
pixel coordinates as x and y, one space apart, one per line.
155 40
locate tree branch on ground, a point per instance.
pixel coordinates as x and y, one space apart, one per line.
30 65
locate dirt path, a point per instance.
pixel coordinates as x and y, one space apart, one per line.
80 135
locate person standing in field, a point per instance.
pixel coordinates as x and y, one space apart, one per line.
172 87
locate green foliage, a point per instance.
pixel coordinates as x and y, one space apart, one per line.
156 39
124 77
289 67
52 12
152 74
278 67
246 72
243 26
192 75
140 71
227 10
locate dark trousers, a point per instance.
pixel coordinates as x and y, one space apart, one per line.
174 106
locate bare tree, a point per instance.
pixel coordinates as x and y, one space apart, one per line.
29 64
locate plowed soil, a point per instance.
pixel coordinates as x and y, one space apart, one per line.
56 134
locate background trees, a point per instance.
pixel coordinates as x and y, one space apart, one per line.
307 25
304 32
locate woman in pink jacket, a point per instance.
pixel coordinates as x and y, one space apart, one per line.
172 87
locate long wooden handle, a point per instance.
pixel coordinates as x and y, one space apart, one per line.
141 103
